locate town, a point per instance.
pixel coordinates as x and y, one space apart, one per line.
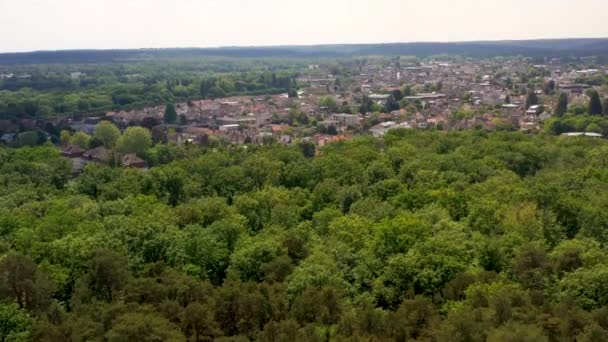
367 96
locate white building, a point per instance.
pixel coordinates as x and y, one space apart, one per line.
381 129
379 98
344 120
228 128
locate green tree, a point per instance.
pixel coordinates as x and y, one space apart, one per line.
407 91
262 170
170 184
22 282
586 286
143 326
247 261
183 120
562 105
64 137
415 319
531 267
307 148
241 308
208 253
531 99
593 333
517 332
593 127
283 331
329 102
397 95
14 323
81 139
199 323
332 130
366 105
170 113
29 138
135 140
391 104
107 275
549 87
595 104
107 133
318 305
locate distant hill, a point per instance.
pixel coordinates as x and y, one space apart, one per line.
529 48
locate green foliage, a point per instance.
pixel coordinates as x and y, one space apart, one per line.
587 287
562 105
14 323
170 113
107 274
134 140
595 104
23 283
107 134
464 236
143 327
531 99
577 123
549 88
31 138
51 92
81 140
329 102
250 256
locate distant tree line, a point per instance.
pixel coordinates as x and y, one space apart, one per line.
47 94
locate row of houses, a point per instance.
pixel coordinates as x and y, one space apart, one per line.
100 154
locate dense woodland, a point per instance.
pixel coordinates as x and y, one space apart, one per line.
539 49
428 236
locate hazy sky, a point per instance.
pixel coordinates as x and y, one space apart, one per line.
73 24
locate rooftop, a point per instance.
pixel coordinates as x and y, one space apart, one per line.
581 134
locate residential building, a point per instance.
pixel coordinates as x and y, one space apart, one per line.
131 160
72 151
99 154
345 120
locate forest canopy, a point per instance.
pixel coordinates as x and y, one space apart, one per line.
431 236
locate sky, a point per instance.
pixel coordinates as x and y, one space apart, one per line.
28 25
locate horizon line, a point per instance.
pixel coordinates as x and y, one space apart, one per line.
218 47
